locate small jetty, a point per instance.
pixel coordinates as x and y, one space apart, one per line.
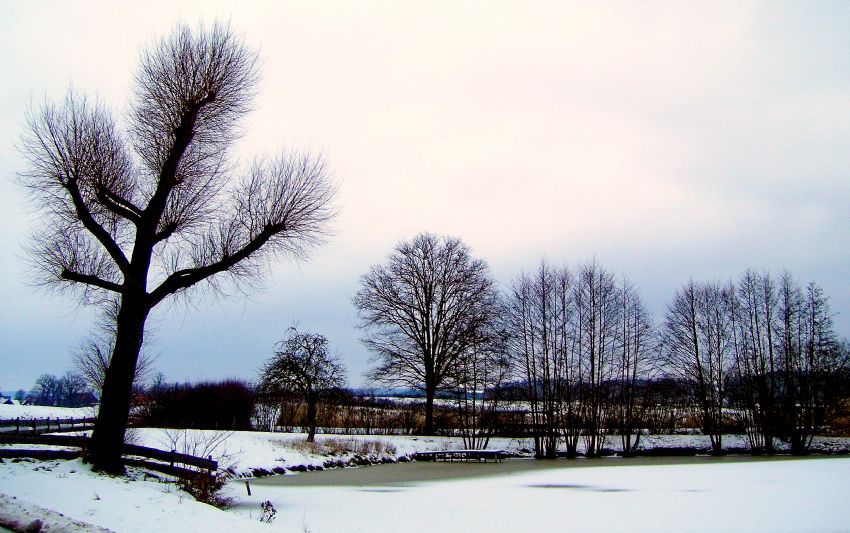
477 456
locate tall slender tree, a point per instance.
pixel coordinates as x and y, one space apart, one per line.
536 314
698 349
596 322
636 347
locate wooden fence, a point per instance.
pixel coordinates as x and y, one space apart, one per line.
166 462
45 425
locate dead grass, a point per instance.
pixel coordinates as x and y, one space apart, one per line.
342 446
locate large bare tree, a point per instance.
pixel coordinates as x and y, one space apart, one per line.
423 311
140 212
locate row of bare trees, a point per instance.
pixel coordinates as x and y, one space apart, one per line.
759 354
762 351
581 341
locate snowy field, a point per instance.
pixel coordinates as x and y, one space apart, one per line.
8 412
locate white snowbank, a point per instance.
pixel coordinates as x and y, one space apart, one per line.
245 452
119 504
20 515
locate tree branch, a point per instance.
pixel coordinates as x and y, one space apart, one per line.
89 279
94 228
118 205
185 278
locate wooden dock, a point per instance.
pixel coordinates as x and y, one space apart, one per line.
478 456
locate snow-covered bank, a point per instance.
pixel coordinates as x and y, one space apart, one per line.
122 505
250 454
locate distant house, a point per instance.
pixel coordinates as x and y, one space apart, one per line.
7 400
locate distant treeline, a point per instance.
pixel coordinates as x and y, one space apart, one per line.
68 390
572 358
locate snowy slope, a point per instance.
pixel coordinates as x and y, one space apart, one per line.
118 504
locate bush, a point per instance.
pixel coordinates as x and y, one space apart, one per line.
224 405
207 488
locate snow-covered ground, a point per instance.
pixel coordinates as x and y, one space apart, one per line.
753 495
118 504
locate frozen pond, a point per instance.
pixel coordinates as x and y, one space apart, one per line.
404 474
681 494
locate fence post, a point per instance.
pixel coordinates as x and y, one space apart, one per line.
18 427
173 453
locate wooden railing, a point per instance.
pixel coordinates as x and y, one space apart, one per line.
167 461
45 425
461 455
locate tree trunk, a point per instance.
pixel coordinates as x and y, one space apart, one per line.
311 421
429 410
104 451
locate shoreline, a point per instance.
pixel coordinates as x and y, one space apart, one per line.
416 472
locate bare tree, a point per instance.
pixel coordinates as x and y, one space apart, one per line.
302 366
424 311
70 390
141 217
698 349
757 358
808 356
537 312
596 318
47 390
477 388
635 337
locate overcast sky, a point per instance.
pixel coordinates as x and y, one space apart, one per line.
668 141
